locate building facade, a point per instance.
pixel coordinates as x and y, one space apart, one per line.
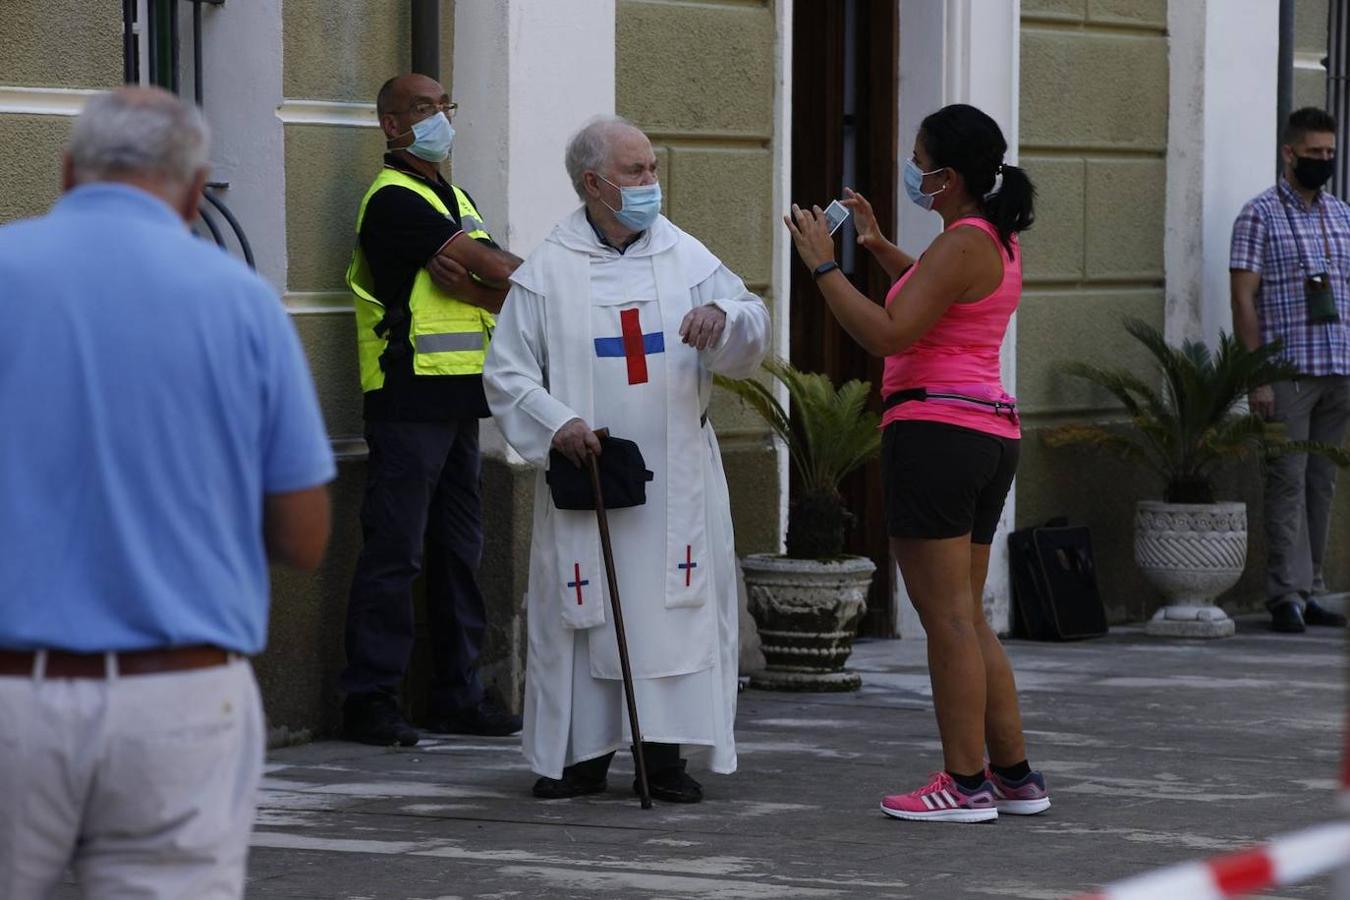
1145 124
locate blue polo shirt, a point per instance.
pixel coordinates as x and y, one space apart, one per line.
152 391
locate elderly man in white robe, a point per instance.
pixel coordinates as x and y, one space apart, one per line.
619 321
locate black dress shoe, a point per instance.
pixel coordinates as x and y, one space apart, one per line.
376 719
487 719
1313 614
672 785
1287 618
572 784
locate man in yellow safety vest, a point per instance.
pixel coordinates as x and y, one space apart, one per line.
426 279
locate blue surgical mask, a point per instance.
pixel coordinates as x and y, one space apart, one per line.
432 138
641 204
914 177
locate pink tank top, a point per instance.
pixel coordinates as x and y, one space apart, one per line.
960 352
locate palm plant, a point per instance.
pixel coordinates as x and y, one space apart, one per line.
1190 427
829 433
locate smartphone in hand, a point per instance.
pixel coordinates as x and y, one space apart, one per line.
835 214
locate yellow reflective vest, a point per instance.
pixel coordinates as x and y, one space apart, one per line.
447 336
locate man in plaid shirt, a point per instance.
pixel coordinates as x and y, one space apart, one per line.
1290 269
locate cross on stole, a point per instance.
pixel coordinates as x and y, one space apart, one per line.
688 565
577 582
632 344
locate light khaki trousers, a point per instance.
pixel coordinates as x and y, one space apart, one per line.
145 785
1299 486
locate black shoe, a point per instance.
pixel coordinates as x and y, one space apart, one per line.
576 782
376 719
1320 615
672 785
1288 618
487 719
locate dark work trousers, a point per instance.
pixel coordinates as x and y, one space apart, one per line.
422 490
1299 486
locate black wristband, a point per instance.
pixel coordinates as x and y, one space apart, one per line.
824 268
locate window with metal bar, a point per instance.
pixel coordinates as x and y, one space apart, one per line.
1338 90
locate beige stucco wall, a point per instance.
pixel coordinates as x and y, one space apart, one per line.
1094 103
63 44
49 45
30 163
699 79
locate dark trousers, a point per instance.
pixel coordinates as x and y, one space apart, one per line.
422 490
1299 486
659 758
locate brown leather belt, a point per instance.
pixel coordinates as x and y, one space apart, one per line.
61 664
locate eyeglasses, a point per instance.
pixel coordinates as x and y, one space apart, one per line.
425 108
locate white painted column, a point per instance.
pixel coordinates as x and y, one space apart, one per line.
960 51
240 101
527 76
782 241
1221 139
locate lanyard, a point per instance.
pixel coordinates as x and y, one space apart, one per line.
1321 221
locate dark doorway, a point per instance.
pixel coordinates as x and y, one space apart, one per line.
844 110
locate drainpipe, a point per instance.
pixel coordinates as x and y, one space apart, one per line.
426 38
128 41
1284 84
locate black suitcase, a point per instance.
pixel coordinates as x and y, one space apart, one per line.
1054 582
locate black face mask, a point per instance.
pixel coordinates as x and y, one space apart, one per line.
1313 173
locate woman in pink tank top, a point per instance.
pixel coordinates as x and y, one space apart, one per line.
950 440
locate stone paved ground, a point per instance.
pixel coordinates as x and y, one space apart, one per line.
1156 751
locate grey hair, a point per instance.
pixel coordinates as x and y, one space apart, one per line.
145 132
589 148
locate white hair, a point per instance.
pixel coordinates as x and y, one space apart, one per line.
589 148
144 132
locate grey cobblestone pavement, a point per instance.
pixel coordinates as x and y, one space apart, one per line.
1156 751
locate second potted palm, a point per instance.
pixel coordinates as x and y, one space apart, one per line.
1190 546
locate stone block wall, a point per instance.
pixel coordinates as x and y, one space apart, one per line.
698 77
1094 106
1093 118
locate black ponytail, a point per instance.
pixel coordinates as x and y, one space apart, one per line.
1011 209
963 138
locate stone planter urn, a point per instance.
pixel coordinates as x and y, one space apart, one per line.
808 613
1192 553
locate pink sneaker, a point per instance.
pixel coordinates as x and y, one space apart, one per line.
1019 798
943 800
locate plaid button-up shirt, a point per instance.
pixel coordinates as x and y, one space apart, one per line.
1279 236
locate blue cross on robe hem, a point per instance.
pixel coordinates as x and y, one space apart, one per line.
688 565
579 583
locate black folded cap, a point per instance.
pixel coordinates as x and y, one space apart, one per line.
623 477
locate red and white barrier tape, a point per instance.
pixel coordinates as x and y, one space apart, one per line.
1345 762
1285 860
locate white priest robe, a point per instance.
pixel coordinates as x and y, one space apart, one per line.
589 332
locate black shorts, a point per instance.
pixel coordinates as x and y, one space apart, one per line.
943 481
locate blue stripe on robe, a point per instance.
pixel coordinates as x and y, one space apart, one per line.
651 343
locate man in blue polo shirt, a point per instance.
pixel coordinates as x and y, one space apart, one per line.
161 444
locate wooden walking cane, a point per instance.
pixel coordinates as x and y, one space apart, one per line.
638 756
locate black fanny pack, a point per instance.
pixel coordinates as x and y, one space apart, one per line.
623 477
1004 406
